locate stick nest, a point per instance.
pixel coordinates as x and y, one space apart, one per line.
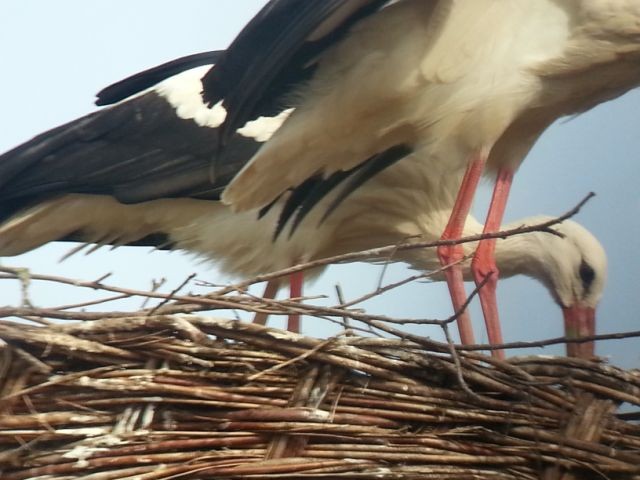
193 397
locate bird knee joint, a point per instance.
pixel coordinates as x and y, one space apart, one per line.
448 254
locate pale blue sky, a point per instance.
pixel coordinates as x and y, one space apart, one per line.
57 55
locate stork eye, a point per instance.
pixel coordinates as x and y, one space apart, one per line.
587 275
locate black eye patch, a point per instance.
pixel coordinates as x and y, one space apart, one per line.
587 275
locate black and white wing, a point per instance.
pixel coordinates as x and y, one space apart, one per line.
128 174
275 53
160 144
328 62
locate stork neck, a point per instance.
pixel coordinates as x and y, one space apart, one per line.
523 254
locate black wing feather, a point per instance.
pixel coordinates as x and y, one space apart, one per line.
134 84
320 190
295 198
136 151
306 196
369 169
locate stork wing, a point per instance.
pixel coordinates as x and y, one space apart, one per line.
148 78
274 53
161 144
156 145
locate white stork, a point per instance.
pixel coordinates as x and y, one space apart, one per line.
466 85
139 173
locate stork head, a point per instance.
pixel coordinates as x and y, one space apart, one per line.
573 267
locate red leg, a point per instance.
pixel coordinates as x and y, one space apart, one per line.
449 254
484 263
270 292
296 280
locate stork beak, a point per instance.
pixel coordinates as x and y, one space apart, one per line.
580 321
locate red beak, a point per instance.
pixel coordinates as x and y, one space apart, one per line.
580 322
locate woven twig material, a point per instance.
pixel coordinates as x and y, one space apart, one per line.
188 397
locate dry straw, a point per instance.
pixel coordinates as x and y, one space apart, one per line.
177 396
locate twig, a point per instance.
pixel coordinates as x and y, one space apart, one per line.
384 289
173 293
293 360
552 341
90 303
